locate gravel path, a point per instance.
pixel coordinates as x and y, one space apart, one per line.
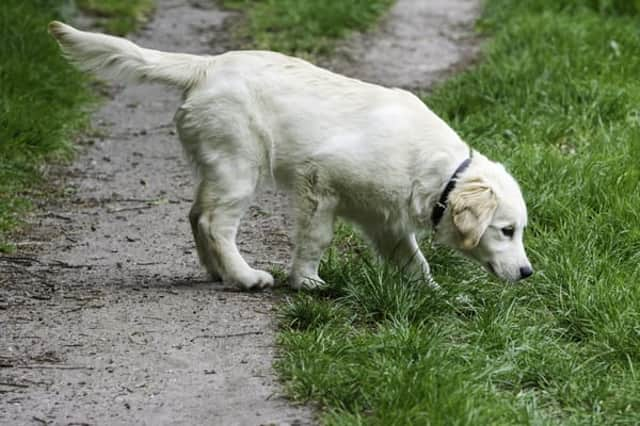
105 315
418 43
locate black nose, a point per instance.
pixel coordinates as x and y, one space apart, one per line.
525 272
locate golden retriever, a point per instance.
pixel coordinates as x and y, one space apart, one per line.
342 147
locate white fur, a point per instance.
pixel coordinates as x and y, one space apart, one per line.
342 147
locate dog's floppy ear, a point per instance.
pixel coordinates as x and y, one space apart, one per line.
472 206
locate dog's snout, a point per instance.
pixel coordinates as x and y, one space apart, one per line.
525 272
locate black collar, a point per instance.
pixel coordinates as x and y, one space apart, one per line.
441 205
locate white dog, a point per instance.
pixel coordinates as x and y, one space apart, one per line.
342 147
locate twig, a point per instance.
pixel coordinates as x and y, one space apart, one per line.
54 367
39 296
133 200
30 243
56 216
80 298
16 385
28 261
22 260
122 209
224 336
6 362
62 264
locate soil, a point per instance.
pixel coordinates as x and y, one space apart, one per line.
106 316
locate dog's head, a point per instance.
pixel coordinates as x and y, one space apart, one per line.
485 220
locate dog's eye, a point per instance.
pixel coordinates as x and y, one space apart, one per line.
508 231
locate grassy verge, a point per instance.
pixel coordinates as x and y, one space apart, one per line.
40 103
43 104
117 16
305 27
556 99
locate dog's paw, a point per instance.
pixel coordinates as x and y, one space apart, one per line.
433 285
253 279
306 283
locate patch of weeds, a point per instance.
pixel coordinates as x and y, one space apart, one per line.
42 104
44 100
380 292
118 17
303 312
305 27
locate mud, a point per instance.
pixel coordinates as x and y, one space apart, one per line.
105 315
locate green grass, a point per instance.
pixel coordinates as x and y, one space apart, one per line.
556 98
117 16
43 103
305 27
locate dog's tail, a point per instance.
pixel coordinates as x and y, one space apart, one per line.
117 58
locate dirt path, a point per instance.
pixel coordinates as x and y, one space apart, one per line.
105 316
416 44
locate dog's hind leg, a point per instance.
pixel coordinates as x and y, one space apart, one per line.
202 244
221 200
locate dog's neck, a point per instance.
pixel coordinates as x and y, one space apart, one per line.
443 200
445 167
433 171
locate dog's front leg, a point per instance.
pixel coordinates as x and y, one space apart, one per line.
315 217
405 253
